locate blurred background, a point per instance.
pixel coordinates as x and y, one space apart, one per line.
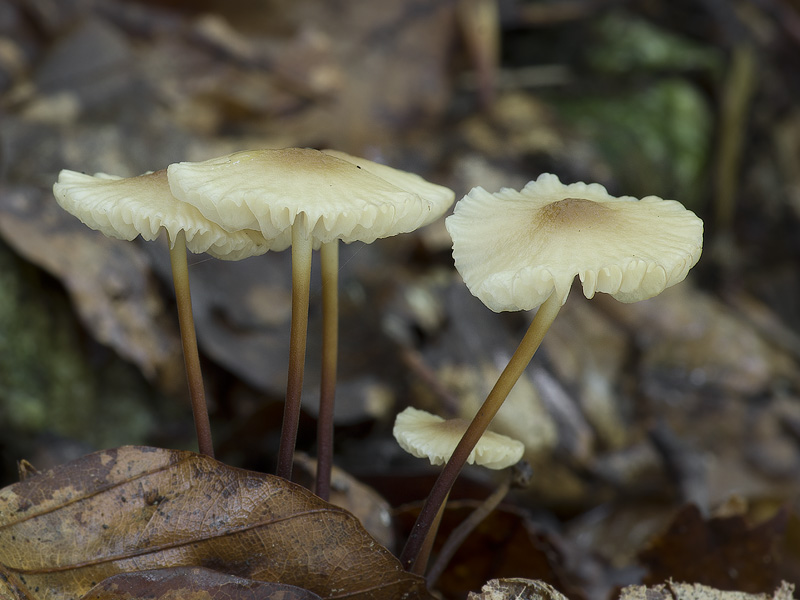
664 435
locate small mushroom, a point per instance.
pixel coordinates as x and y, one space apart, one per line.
519 250
125 208
316 198
426 435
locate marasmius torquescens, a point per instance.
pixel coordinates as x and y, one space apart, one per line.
125 208
522 250
318 198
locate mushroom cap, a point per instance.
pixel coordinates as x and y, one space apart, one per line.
341 196
514 249
123 208
428 436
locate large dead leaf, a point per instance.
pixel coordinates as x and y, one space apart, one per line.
135 508
192 583
372 510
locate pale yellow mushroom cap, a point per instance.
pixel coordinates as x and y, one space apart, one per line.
341 196
514 249
428 436
124 208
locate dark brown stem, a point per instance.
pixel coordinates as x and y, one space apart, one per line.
302 246
425 551
191 357
329 261
516 366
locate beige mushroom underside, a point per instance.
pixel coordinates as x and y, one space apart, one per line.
334 195
125 208
428 436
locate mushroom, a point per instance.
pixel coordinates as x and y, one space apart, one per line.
125 208
426 435
316 198
519 250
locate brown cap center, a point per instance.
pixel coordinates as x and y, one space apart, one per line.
572 213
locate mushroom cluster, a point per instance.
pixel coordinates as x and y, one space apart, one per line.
313 199
515 250
247 203
519 250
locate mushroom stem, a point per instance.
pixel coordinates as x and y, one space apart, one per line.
329 262
516 366
302 246
425 552
191 357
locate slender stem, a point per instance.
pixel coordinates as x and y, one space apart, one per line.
467 526
302 246
329 261
425 551
191 357
516 366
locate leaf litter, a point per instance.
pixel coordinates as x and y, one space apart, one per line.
138 508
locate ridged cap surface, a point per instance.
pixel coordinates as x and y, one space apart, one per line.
513 249
336 195
124 208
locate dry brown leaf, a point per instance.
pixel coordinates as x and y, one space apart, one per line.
135 508
192 583
372 510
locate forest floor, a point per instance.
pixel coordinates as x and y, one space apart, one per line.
664 435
